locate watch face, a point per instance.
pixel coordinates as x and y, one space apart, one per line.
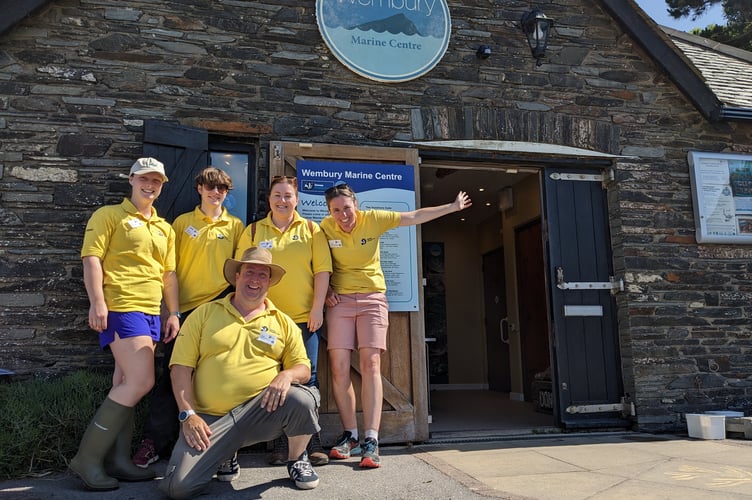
183 415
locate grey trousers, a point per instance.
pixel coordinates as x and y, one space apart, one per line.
189 471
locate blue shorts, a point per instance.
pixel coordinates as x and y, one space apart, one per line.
129 324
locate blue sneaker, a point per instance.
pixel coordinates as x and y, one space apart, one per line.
346 445
370 454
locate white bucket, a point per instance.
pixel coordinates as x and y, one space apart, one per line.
705 426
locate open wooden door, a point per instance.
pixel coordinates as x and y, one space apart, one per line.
403 366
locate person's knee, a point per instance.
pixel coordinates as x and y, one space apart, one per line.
303 398
370 364
143 384
179 488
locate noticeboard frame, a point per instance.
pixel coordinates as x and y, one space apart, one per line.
722 196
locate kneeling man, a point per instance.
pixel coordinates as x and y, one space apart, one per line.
237 372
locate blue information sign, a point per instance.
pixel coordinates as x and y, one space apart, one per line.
377 186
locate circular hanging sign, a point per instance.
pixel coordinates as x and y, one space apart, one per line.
386 40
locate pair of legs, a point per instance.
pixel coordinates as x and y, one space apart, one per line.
189 471
361 317
104 452
372 393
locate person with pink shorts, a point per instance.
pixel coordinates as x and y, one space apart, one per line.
357 314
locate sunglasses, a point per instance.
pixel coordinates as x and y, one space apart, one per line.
222 188
338 188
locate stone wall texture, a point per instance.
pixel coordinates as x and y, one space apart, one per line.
78 79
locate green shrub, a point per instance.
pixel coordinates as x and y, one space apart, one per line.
42 420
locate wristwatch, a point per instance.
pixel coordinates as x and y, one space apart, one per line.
185 414
176 313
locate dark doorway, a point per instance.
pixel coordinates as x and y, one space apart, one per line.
497 332
531 296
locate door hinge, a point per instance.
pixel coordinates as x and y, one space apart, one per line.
613 285
605 178
626 407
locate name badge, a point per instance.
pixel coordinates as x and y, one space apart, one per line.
335 243
191 231
267 338
134 223
268 244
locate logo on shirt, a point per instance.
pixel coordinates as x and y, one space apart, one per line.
295 238
366 240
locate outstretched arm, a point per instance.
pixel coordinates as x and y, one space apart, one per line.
427 214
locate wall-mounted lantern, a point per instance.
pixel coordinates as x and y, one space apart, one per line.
537 28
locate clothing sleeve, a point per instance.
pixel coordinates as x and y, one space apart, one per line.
98 233
321 256
237 232
243 242
385 219
185 352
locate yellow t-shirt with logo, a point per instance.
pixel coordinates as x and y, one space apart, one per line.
303 252
201 247
135 253
233 359
356 260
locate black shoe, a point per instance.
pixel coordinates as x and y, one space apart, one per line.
302 473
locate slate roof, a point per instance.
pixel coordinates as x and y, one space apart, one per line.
726 70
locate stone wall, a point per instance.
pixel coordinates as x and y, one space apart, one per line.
78 79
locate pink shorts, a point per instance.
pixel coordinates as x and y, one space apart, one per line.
364 316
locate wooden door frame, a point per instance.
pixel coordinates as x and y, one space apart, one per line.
414 428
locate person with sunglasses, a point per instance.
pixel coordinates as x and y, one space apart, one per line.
204 238
298 245
357 314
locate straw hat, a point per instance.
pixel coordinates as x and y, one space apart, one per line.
254 255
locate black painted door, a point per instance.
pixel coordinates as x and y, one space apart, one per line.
584 339
184 152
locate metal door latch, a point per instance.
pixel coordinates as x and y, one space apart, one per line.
626 407
613 285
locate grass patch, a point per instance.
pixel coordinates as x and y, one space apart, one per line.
42 420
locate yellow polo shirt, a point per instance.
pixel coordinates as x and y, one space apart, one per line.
201 247
302 253
234 360
355 256
135 253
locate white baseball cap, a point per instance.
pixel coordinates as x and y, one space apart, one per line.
146 165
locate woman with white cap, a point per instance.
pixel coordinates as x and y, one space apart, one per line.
128 258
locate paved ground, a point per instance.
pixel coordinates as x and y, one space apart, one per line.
562 467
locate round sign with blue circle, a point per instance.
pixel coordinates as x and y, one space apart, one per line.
386 40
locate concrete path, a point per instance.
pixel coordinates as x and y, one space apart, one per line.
562 467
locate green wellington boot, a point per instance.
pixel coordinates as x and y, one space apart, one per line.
118 462
99 437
